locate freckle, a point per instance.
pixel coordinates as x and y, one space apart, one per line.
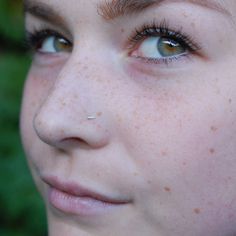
230 101
99 126
212 150
149 181
99 113
210 203
122 30
119 118
231 216
218 91
135 173
62 101
164 153
214 129
197 211
184 163
167 189
62 131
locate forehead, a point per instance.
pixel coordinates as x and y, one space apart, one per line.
110 9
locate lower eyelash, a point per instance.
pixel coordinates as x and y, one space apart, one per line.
165 61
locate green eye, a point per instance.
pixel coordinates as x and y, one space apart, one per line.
61 45
169 47
160 47
53 44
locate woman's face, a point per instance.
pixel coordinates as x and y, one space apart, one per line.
128 116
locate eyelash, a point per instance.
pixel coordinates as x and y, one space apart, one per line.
162 30
35 39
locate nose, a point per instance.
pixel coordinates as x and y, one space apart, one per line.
71 114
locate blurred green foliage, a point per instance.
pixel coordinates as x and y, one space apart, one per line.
22 210
11 19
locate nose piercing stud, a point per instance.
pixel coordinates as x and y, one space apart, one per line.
91 117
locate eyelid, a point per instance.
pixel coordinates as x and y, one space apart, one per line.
44 19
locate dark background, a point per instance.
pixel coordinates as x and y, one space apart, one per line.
21 208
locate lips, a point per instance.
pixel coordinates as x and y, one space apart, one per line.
72 198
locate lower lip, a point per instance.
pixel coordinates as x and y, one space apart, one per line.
82 206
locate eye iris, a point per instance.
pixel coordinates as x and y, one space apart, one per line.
61 45
169 47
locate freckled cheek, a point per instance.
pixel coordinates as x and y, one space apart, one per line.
173 138
159 144
39 82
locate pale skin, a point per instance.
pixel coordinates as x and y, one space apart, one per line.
163 141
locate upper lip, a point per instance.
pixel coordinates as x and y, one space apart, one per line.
79 191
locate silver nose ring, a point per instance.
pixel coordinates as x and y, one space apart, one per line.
91 117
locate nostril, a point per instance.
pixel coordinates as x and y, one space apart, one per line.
74 142
86 143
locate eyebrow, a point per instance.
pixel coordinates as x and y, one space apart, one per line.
44 12
112 9
116 8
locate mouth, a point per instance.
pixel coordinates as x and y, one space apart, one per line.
71 198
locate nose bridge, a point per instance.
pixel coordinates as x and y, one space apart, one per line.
61 97
76 87
80 79
70 107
